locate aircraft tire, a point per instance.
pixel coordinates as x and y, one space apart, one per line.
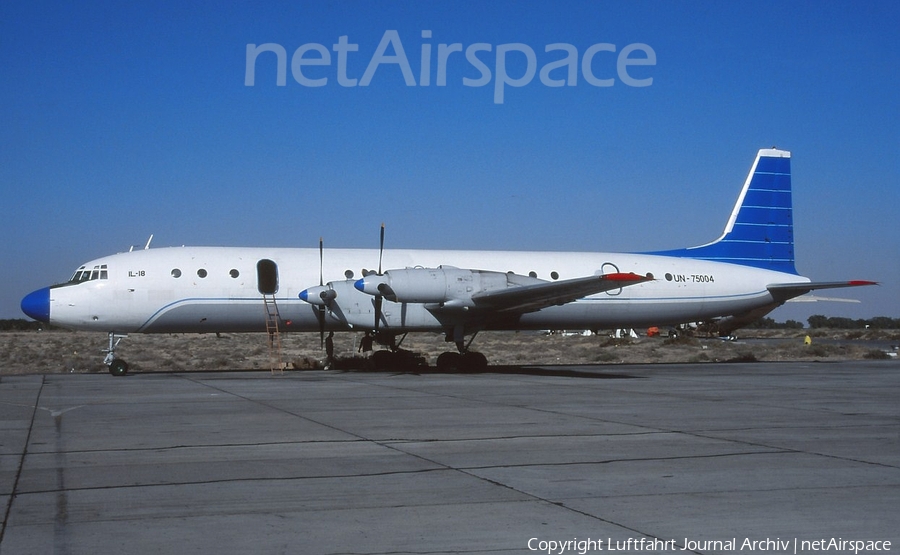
383 360
474 361
449 361
118 367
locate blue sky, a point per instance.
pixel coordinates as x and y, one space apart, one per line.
124 119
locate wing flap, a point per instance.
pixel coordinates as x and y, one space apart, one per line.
529 298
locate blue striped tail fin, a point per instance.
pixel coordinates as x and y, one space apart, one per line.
760 232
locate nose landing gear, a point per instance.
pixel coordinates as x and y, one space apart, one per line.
117 366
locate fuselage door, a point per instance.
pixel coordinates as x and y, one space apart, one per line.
267 277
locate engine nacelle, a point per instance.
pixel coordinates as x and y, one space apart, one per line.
437 286
320 295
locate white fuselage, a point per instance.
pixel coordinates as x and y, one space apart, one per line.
217 289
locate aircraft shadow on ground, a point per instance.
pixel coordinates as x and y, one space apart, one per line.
593 372
520 370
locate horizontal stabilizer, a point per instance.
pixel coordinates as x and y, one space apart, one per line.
816 299
786 291
529 298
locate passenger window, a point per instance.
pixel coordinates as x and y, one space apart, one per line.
234 273
176 273
201 272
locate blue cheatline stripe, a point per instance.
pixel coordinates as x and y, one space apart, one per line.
198 301
762 234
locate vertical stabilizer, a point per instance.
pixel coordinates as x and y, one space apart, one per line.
760 231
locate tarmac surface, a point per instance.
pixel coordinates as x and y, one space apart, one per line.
707 457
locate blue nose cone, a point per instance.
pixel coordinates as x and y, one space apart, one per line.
37 305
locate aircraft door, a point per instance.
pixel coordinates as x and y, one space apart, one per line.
267 277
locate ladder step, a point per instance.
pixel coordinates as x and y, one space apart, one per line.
276 357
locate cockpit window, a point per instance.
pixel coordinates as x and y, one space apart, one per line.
85 274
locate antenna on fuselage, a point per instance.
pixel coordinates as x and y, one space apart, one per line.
147 246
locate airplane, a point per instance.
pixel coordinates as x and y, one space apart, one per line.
738 278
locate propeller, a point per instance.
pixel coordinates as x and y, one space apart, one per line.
379 298
320 309
322 296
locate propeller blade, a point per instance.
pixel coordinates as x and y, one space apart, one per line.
377 301
327 296
387 292
381 248
321 261
320 309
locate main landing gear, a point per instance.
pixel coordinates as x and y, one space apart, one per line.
401 359
469 361
464 360
117 366
395 358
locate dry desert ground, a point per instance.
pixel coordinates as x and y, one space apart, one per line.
65 351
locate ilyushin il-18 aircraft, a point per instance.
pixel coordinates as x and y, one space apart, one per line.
732 281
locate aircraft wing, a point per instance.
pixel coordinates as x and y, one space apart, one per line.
783 292
529 298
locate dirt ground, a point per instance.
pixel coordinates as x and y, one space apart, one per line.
29 352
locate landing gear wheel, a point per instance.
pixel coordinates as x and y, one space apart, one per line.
382 360
118 367
449 361
473 361
470 361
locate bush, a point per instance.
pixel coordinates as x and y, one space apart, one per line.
21 324
879 322
682 340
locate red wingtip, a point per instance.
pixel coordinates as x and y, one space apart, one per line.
856 282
